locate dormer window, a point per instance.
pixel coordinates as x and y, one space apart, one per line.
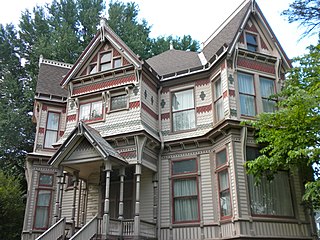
91 111
252 42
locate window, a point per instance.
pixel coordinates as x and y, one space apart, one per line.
118 101
224 186
105 61
267 89
252 43
183 112
218 100
185 191
247 94
46 180
117 62
91 111
269 197
93 68
52 128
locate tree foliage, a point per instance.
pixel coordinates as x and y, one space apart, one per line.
11 207
291 136
306 12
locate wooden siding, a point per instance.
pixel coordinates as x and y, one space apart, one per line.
146 195
165 212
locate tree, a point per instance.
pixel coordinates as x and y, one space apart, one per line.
291 136
306 12
11 207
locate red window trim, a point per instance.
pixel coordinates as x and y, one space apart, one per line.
189 175
45 131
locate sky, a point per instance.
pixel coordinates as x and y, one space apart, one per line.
197 18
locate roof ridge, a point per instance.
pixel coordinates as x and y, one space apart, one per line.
225 22
54 63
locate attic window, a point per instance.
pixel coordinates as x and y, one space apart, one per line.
252 43
105 61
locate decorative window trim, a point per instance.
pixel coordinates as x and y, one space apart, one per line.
116 93
51 130
185 176
82 102
249 45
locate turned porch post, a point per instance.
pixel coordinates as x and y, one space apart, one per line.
75 180
59 189
122 175
106 215
137 204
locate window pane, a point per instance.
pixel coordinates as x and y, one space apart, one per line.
217 89
251 39
252 153
269 105
118 102
44 198
266 87
246 83
51 138
42 209
84 111
247 105
223 180
105 66
185 187
96 110
117 62
185 166
225 203
53 121
183 120
93 69
186 209
221 157
182 100
271 197
45 179
106 57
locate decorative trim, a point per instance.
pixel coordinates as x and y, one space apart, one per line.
253 64
41 130
149 111
134 104
204 109
71 118
232 93
165 116
55 63
202 82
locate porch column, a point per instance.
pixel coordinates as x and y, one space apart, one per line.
75 180
106 215
155 196
57 214
122 175
137 204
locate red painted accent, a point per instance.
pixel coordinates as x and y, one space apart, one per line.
150 85
94 59
130 154
232 93
71 118
44 107
149 111
223 66
134 104
125 62
61 133
252 28
116 53
225 94
204 109
241 39
63 110
165 116
165 90
259 66
263 44
105 84
41 130
202 82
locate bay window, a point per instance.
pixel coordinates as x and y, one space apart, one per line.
247 94
267 89
52 128
218 100
183 111
224 185
269 197
185 191
91 111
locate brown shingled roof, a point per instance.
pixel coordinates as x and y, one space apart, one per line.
173 61
226 35
49 79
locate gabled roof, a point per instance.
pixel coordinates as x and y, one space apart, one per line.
174 61
104 33
94 138
50 75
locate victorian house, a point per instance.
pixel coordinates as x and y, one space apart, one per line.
133 149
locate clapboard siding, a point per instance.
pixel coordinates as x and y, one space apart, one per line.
233 180
146 193
206 189
165 194
186 233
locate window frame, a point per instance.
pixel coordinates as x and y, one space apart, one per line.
105 62
254 95
250 45
82 103
223 168
117 93
181 176
217 99
51 130
268 98
172 112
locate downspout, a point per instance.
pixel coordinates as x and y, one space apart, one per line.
159 163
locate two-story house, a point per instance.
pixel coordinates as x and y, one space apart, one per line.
133 149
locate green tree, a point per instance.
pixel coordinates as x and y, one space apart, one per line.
306 12
291 136
11 207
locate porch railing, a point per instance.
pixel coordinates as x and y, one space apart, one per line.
56 231
89 230
126 228
148 229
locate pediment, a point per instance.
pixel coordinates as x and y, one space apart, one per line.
84 151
